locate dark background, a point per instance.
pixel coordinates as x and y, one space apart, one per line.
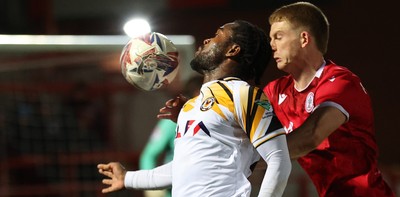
364 36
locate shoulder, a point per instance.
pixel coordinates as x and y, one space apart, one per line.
338 74
333 69
238 91
278 85
230 87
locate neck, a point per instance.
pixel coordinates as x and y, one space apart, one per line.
305 74
222 71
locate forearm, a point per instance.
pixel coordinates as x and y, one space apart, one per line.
318 126
276 155
157 178
300 144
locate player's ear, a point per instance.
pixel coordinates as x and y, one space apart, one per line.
233 50
304 38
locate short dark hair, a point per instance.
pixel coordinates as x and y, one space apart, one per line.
255 51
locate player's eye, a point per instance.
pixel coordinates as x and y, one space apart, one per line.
278 36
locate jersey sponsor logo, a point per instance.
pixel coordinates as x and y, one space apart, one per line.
332 79
265 104
309 105
267 114
207 104
282 97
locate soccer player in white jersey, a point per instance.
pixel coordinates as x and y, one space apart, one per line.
222 132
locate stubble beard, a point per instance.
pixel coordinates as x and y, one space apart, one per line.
207 61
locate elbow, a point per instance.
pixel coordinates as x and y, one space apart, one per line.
301 145
312 137
313 142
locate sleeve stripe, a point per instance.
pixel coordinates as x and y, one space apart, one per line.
251 109
274 125
266 139
216 100
226 89
272 131
248 115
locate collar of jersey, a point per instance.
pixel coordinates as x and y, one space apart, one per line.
229 78
222 79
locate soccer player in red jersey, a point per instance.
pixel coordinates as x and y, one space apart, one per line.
325 109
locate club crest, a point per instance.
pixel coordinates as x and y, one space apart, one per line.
207 104
309 105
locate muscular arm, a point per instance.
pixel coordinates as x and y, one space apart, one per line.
318 126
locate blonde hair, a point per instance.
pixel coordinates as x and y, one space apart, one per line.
308 17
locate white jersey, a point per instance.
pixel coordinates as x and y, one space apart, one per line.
216 138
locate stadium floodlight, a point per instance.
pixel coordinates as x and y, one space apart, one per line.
136 27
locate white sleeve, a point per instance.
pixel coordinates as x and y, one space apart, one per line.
157 178
276 155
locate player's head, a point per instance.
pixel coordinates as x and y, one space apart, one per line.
238 41
304 16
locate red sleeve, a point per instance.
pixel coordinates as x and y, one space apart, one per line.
343 88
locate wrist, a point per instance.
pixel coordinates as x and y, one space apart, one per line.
128 179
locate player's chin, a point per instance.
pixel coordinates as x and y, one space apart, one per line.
280 65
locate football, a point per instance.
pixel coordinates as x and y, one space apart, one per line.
150 61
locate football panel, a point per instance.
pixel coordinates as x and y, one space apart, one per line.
150 61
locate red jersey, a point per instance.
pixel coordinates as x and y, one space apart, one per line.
345 163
